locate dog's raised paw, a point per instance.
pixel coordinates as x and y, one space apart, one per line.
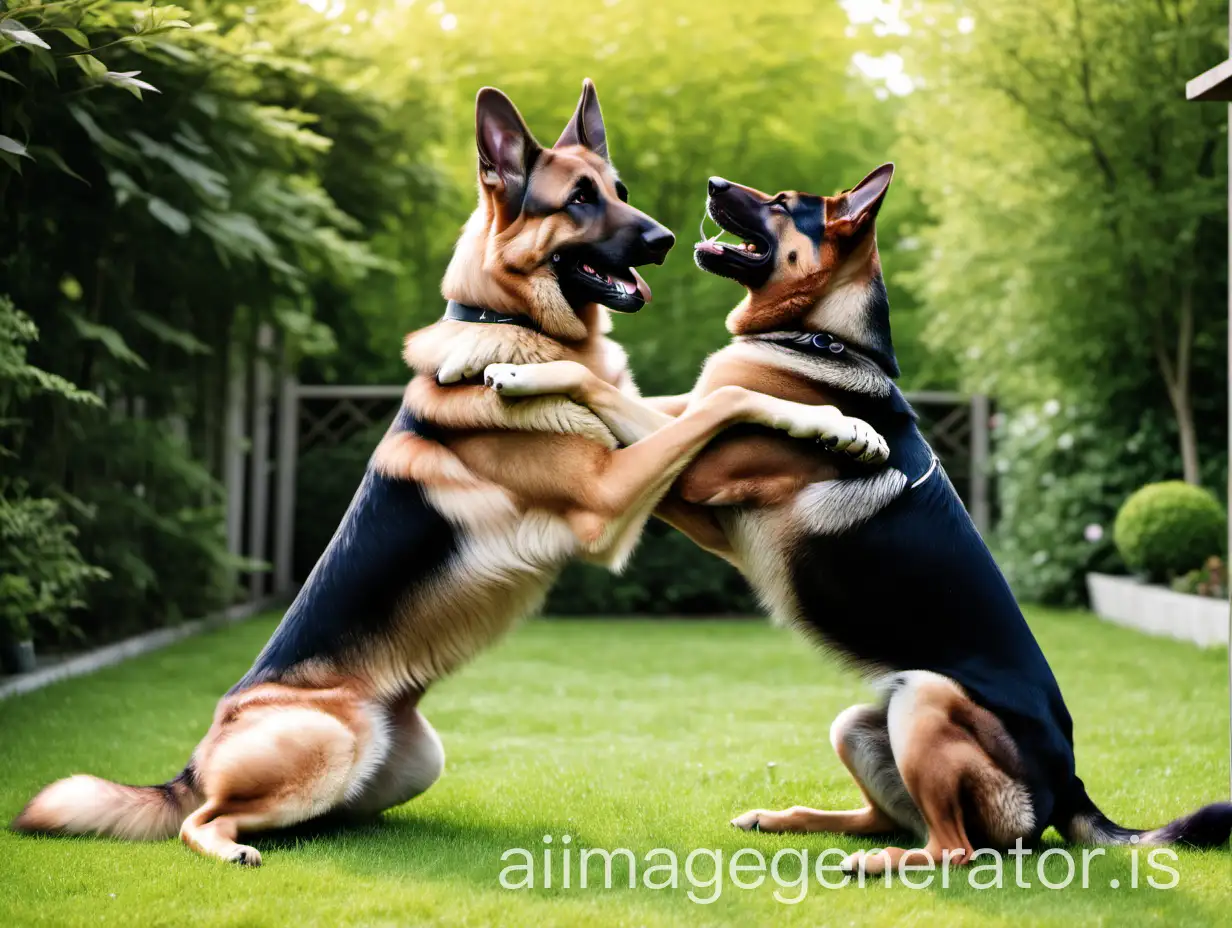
501 377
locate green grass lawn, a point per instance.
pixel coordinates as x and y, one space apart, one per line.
620 734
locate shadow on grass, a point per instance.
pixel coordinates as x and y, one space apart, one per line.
398 844
469 854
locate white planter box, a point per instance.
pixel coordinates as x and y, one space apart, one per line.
1158 610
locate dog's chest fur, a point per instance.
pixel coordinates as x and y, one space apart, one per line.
435 560
764 537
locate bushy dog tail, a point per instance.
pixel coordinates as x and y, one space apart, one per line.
85 805
1209 826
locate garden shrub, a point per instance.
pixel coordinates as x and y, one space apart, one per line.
1061 472
1167 529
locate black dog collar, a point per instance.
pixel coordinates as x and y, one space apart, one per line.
461 312
816 343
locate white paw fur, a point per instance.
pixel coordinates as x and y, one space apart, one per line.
509 379
826 424
534 379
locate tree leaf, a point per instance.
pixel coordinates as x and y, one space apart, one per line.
180 338
90 65
13 147
6 76
54 157
128 80
17 32
107 143
108 337
76 36
11 160
45 62
169 216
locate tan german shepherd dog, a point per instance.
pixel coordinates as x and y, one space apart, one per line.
971 744
470 507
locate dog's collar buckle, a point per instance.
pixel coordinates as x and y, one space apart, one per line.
824 341
462 312
817 343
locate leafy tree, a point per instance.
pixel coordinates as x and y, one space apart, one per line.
148 238
1078 222
1074 235
761 93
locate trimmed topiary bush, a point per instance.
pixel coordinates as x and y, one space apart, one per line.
1167 529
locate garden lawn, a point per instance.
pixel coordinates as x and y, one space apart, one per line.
620 734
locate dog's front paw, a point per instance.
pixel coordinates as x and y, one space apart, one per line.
460 364
749 821
547 377
868 445
852 437
505 379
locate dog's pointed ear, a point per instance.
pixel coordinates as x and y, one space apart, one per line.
859 205
586 126
507 150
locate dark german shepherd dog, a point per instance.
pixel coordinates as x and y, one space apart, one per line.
470 507
971 744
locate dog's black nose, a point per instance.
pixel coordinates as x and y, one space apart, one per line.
717 185
658 241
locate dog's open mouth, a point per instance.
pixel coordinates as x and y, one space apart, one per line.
746 261
585 279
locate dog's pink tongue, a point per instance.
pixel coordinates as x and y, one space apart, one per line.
643 288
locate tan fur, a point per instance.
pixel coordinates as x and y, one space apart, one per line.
937 740
81 805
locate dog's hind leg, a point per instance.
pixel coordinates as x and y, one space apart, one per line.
415 761
953 757
277 756
860 739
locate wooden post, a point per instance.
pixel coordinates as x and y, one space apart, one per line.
233 451
981 511
1216 84
259 463
288 460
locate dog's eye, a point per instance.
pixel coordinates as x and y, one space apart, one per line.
581 195
780 205
622 191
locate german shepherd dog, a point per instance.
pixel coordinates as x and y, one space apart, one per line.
470 507
971 744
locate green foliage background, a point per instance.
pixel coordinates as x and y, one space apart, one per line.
172 178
